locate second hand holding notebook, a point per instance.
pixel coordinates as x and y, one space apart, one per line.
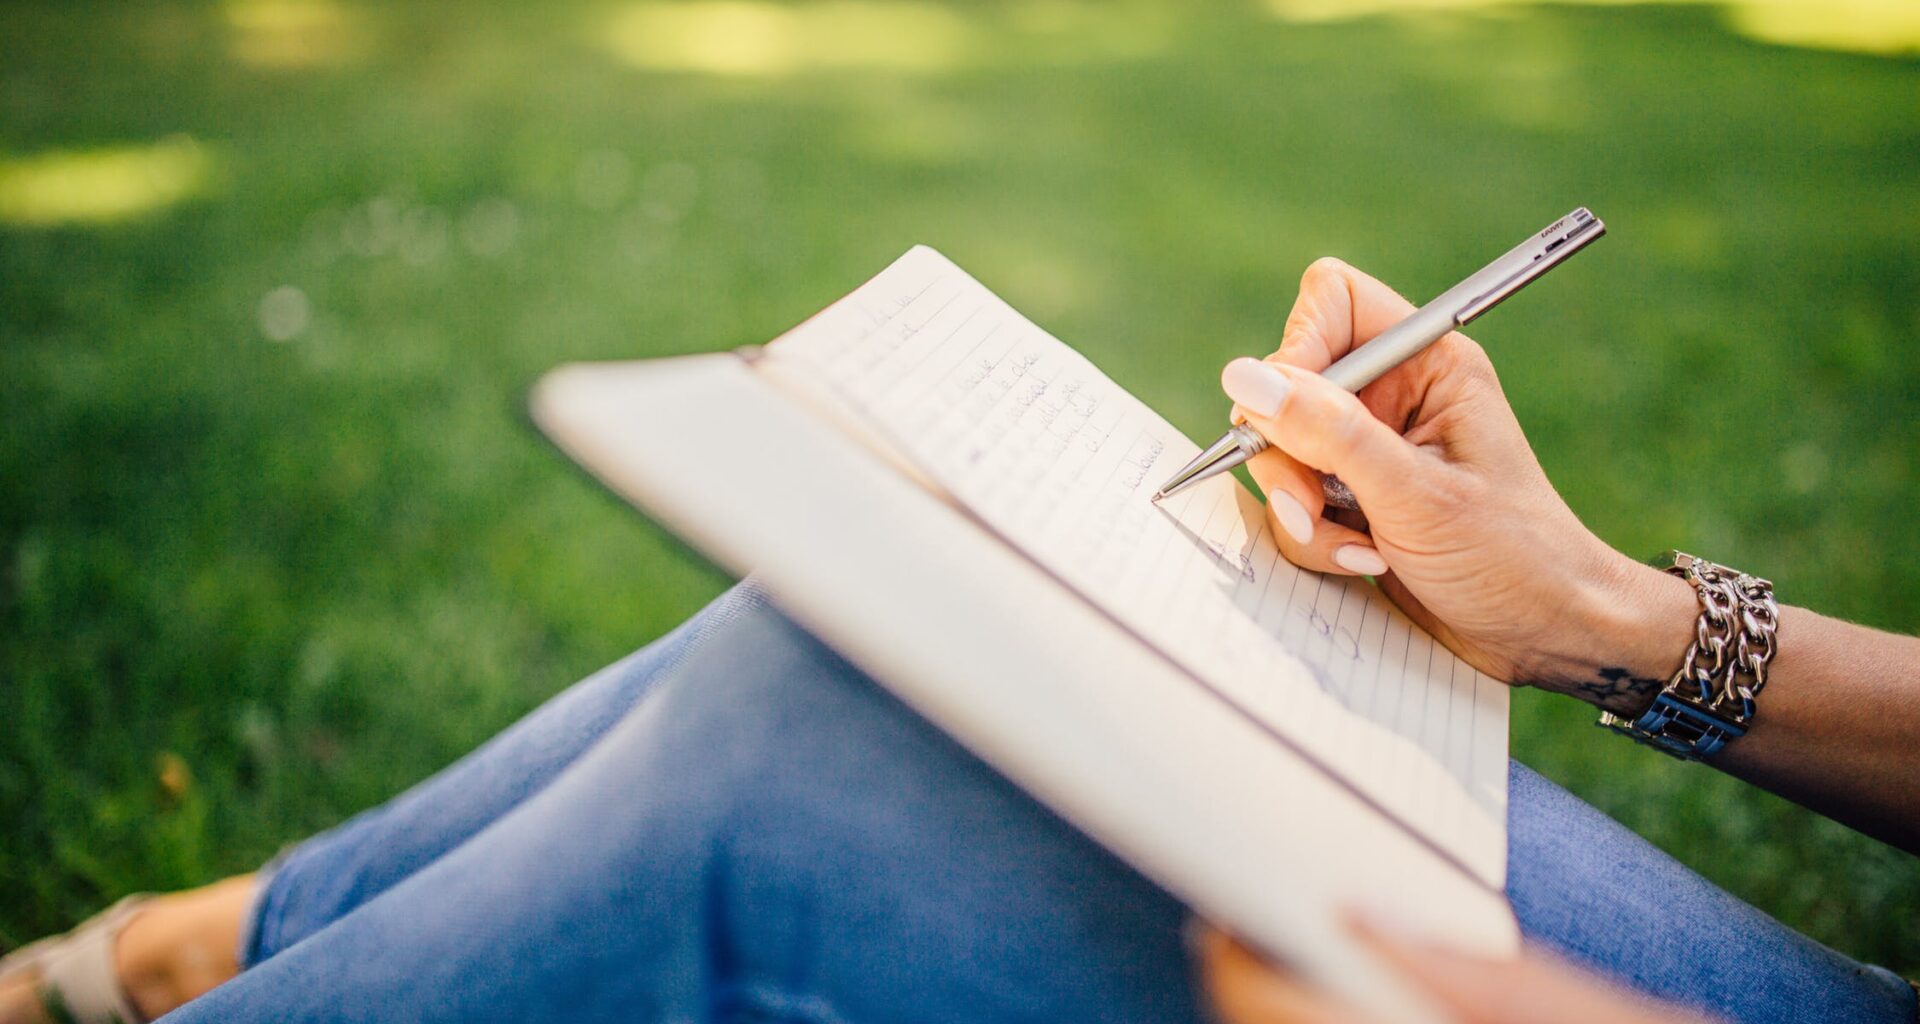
958 503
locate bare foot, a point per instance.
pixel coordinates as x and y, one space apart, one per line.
182 944
175 948
20 1004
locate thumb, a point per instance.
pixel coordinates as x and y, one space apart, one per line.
1326 427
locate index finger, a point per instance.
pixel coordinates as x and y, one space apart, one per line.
1338 307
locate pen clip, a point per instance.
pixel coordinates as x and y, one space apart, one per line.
1534 257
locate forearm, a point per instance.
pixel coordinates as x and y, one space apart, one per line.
1837 727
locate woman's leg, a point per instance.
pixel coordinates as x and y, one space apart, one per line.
181 944
1585 885
771 833
767 836
331 873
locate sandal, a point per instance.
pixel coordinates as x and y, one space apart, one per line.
77 983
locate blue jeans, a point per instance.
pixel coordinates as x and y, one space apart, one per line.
734 824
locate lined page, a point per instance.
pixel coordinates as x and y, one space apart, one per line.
1040 446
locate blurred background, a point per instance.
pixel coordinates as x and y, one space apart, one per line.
276 540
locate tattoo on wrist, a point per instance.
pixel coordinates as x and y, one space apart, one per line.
1617 690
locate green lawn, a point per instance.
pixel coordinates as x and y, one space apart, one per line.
269 555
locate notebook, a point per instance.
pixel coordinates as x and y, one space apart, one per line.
957 501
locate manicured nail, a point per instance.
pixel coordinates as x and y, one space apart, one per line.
1359 558
1258 388
1291 515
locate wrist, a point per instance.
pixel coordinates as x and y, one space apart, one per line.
1631 626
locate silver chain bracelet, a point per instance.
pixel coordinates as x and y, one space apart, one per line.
1711 698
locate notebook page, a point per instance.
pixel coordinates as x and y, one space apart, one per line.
1046 451
1174 781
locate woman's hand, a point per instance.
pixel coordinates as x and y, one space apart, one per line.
1534 988
1461 527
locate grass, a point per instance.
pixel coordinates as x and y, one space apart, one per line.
248 586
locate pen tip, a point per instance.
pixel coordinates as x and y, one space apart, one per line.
1157 495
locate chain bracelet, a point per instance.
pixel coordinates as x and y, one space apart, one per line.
1725 666
1710 699
1758 639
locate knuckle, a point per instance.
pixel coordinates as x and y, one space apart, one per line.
1296 342
1322 269
1469 359
1303 324
1347 426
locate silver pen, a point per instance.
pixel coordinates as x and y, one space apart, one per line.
1365 363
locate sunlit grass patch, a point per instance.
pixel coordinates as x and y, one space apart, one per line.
1888 27
748 38
765 40
102 185
294 33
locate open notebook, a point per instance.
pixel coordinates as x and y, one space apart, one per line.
959 503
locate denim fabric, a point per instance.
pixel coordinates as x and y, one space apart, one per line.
1585 885
332 873
736 825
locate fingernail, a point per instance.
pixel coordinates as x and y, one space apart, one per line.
1258 388
1291 515
1359 558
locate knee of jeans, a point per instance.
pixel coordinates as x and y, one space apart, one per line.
896 895
857 841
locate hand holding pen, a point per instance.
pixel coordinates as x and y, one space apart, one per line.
1461 526
1455 307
